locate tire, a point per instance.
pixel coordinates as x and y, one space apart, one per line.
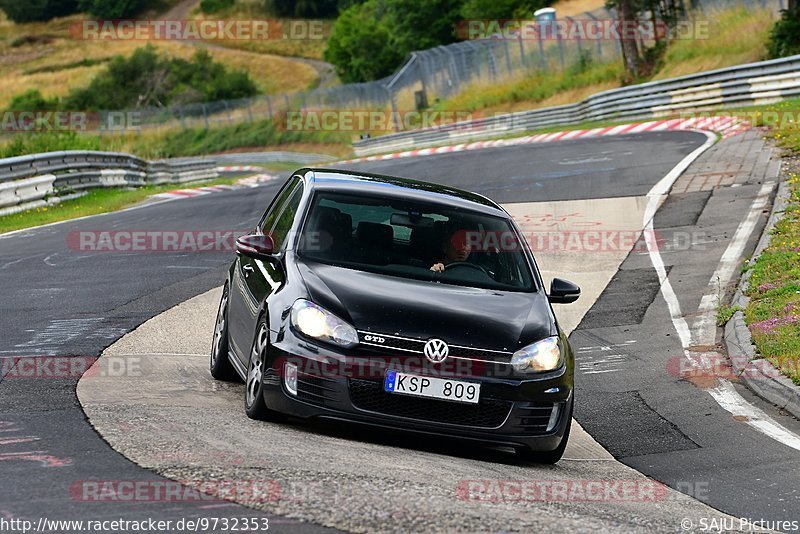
548 457
254 405
220 365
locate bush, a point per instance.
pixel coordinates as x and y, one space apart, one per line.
35 143
147 79
213 6
784 40
36 10
32 100
111 9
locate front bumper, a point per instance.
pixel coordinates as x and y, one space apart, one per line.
529 412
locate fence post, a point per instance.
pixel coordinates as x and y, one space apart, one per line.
520 40
269 106
394 106
454 69
228 111
492 65
597 32
577 37
421 74
542 59
205 115
508 56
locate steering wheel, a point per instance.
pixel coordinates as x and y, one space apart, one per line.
457 264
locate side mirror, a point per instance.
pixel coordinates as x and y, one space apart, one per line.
258 246
563 291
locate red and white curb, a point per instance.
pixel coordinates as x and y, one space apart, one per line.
725 126
251 181
257 180
239 168
188 193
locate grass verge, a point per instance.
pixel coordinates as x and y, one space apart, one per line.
155 144
773 313
94 202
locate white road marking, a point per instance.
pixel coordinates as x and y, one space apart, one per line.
705 325
724 394
727 397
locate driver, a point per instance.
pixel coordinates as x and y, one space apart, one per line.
456 249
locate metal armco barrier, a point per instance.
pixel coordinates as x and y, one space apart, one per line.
31 181
755 83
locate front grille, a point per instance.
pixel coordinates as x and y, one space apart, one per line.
406 346
369 395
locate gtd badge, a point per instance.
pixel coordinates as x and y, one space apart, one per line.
436 350
374 339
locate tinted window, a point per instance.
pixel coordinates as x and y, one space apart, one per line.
276 207
408 238
283 223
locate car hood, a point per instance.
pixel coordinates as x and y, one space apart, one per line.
475 317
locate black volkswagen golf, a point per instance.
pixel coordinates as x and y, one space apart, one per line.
400 304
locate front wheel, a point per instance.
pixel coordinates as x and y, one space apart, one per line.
548 457
220 366
254 405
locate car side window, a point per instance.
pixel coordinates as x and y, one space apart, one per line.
283 223
276 207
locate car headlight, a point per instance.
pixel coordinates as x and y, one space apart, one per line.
318 323
544 355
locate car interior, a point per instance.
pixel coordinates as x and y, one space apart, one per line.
406 240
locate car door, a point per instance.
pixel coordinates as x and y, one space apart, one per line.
254 279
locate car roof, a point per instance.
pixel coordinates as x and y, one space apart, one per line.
347 181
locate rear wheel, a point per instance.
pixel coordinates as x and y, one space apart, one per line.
220 366
254 405
548 457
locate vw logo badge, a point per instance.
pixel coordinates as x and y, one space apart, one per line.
436 350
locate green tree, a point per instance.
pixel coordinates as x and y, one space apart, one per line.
111 9
213 6
421 24
360 44
784 39
501 9
302 8
37 10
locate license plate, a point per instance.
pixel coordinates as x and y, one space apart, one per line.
431 387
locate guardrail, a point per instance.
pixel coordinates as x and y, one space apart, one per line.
28 182
750 84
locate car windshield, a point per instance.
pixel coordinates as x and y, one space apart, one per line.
412 239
